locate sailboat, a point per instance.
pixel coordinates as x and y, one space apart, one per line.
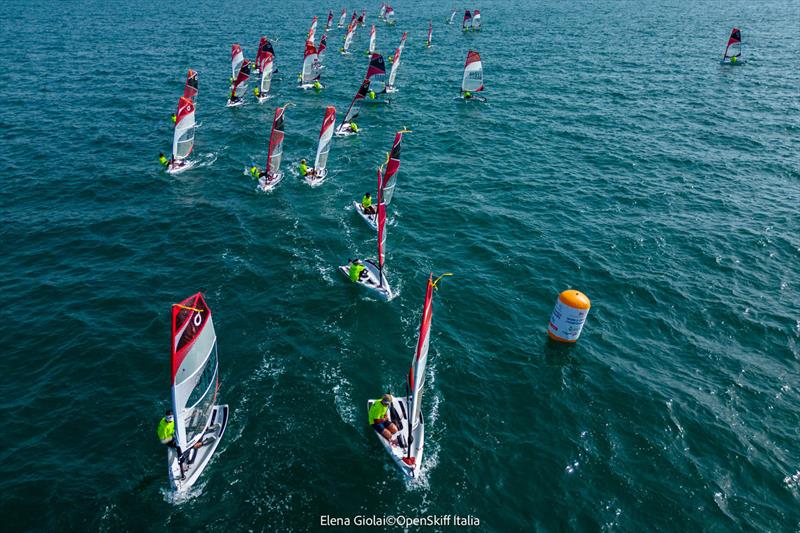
342 18
323 148
395 60
310 74
237 57
467 19
476 20
430 34
348 38
182 137
329 23
382 11
389 16
264 48
191 87
272 174
406 412
266 78
240 85
346 127
323 45
363 18
452 16
733 51
387 185
472 82
374 278
371 49
199 421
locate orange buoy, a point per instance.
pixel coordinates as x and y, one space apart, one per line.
568 316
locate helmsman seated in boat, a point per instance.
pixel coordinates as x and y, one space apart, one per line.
379 418
166 431
366 204
305 170
357 270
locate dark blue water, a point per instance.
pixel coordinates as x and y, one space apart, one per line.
615 155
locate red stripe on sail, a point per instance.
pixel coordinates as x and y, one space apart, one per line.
310 49
185 107
261 51
243 76
235 50
189 317
467 16
323 44
330 118
376 65
394 159
266 61
736 36
190 89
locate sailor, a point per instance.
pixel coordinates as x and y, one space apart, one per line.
304 170
163 160
371 94
379 420
354 127
166 431
254 171
256 92
174 118
317 85
366 205
733 59
233 98
357 271
467 95
391 59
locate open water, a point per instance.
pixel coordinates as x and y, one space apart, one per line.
615 155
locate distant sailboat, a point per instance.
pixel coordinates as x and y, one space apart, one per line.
476 20
323 148
348 38
467 22
329 22
199 421
733 51
310 75
382 11
371 49
430 34
182 137
452 16
342 18
386 185
472 82
272 174
240 85
323 45
406 413
389 17
348 127
390 86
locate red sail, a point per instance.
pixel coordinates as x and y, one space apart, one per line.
467 17
376 66
381 234
323 44
188 319
736 36
185 106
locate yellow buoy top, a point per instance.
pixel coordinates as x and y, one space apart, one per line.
575 299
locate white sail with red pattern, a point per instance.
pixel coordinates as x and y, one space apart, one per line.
183 136
266 74
275 153
416 375
392 166
349 37
309 59
237 57
467 19
372 40
342 18
312 31
325 137
194 369
476 20
473 73
430 32
396 63
329 23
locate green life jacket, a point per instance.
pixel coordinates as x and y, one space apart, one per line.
254 171
355 272
166 430
377 411
366 202
354 127
303 169
163 160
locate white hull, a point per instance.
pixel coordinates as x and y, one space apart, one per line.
401 451
175 168
267 186
316 180
309 86
375 281
370 219
196 459
262 99
343 130
235 104
390 89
